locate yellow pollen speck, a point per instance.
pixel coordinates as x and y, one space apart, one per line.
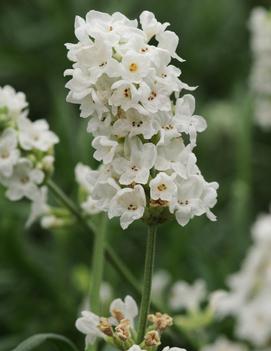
133 67
162 187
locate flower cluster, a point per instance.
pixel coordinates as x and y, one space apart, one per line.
223 344
26 152
249 296
144 131
119 329
180 295
260 26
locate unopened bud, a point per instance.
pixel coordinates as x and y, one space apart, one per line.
117 314
105 326
160 321
152 338
123 330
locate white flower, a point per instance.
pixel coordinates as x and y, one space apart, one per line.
86 177
135 348
13 101
103 192
129 204
163 187
175 156
36 135
128 95
184 119
167 348
105 149
168 129
134 67
39 206
9 154
24 181
168 40
188 199
127 309
157 100
125 83
160 281
223 344
150 25
136 169
133 123
260 26
187 296
88 325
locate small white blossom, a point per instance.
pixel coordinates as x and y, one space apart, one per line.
134 123
223 344
128 204
177 157
163 187
136 169
103 192
36 135
24 181
127 308
187 296
185 121
167 348
105 149
13 101
39 206
88 325
260 78
9 153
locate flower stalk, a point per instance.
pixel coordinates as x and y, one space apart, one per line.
98 265
147 284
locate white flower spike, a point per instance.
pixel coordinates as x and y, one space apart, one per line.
144 129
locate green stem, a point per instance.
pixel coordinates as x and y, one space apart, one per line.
111 255
97 266
146 293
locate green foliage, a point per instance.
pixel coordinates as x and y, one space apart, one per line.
34 341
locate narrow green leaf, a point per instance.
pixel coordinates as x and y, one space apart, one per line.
38 339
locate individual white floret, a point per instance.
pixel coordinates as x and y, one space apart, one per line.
103 192
88 325
163 187
136 169
126 95
124 309
177 157
128 204
24 182
188 199
39 206
150 25
223 344
9 153
105 149
168 129
184 119
133 123
184 295
13 101
36 135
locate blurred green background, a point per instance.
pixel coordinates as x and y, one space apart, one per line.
43 274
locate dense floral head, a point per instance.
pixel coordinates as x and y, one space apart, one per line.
144 130
26 152
248 298
260 80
